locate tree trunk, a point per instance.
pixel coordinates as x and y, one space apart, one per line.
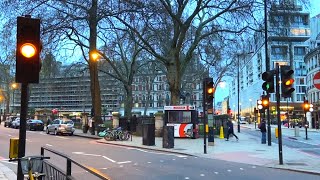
174 80
93 63
128 102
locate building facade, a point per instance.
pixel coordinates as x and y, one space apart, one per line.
312 60
288 30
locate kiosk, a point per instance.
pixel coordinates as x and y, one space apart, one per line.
184 119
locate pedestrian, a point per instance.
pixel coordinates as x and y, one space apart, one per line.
263 129
230 130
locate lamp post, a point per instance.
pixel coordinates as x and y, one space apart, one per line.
238 74
14 86
250 110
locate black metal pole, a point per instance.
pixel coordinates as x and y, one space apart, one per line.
22 130
12 101
288 114
278 114
204 119
238 95
269 121
305 124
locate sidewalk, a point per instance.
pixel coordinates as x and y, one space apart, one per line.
247 150
6 173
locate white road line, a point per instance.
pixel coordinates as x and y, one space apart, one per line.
124 162
48 144
216 172
201 174
61 137
167 154
121 166
186 178
9 135
229 170
109 159
253 167
149 162
241 169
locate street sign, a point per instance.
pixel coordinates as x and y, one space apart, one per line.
316 80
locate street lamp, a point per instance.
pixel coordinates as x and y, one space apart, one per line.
250 109
14 86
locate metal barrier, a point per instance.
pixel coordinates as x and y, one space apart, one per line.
54 173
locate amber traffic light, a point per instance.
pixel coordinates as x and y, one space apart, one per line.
28 50
265 101
287 81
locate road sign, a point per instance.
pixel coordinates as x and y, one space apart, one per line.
316 80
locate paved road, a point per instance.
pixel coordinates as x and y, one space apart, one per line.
136 164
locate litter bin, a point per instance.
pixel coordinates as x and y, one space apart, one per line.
168 137
296 131
148 131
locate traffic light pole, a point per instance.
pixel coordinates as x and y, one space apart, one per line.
278 114
204 119
22 130
269 123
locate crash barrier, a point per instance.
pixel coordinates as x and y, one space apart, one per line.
55 172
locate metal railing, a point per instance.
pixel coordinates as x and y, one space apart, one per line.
53 172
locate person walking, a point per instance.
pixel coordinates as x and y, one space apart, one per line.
230 130
263 130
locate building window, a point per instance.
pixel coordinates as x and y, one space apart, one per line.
299 51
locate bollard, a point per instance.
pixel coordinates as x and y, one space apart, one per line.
296 131
276 132
221 133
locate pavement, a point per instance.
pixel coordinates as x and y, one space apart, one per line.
247 150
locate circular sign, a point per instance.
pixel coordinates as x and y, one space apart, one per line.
316 80
55 111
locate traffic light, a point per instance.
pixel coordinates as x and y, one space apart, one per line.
28 50
260 106
268 85
208 92
265 101
306 106
287 81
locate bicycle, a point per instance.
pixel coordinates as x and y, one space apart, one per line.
115 134
32 166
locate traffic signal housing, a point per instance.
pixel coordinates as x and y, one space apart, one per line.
265 101
209 91
287 81
28 50
268 85
306 106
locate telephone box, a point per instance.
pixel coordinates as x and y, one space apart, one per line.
184 119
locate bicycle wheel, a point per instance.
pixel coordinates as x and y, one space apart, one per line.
109 136
127 136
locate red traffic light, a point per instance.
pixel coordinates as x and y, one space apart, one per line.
289 82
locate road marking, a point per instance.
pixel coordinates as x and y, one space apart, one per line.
253 167
104 168
186 178
135 164
201 174
229 170
216 172
48 144
82 153
9 135
121 166
124 162
173 159
61 137
161 161
241 169
149 162
167 154
109 159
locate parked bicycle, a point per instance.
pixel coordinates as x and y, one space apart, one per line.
32 166
115 134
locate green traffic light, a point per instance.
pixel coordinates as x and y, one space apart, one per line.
268 86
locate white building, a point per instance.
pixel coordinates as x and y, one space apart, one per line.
288 29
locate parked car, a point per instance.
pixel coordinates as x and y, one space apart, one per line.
8 121
16 123
34 124
59 126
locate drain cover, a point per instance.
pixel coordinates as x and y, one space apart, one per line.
297 164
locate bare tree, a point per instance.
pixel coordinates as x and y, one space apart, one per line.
175 29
